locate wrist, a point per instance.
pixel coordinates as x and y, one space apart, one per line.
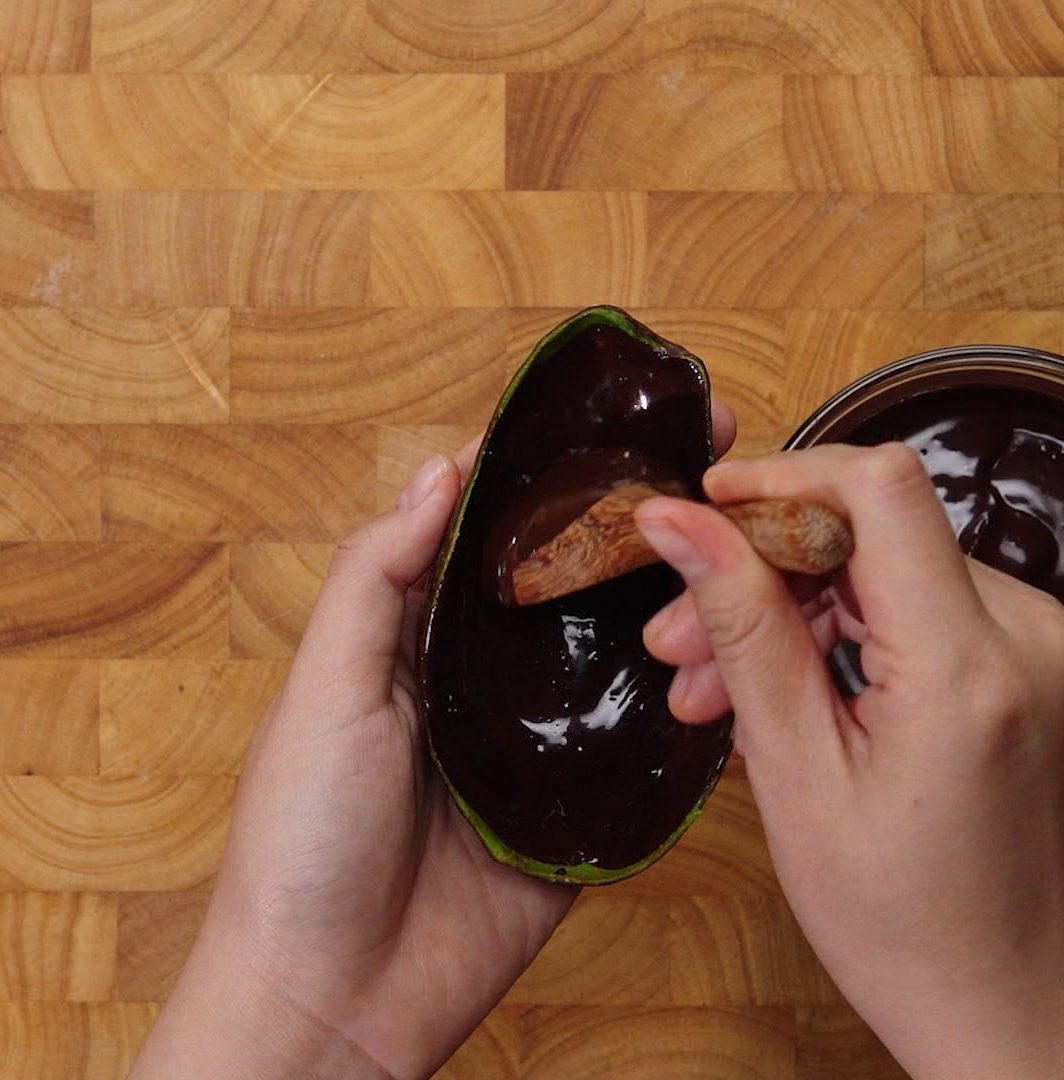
222 1021
1015 1033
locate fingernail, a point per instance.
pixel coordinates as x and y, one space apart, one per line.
422 483
674 548
658 624
681 687
713 472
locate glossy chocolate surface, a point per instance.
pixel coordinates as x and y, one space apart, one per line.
996 456
551 721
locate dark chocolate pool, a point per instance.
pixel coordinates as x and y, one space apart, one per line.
989 425
551 722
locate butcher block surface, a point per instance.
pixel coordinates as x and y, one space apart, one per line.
258 258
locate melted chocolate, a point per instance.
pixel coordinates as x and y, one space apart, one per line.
552 721
996 457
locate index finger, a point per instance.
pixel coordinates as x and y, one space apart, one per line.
907 570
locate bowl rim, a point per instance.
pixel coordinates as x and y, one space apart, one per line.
973 359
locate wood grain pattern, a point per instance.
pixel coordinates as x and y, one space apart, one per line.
817 36
113 600
155 934
113 132
476 249
38 37
367 131
742 953
57 946
853 342
995 37
49 717
749 365
273 589
295 482
688 951
49 482
181 717
767 251
196 232
397 365
610 950
231 248
995 252
598 132
227 35
520 35
49 258
493 1049
919 134
630 1043
114 366
154 833
261 258
52 1041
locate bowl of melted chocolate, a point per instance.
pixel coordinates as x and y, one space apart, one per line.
988 422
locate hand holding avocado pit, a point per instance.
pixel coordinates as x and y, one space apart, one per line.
604 543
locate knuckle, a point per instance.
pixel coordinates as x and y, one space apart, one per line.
351 551
1053 624
1010 695
1042 644
1047 613
367 543
734 627
371 553
356 540
357 551
1001 698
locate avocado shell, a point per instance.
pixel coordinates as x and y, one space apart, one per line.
549 725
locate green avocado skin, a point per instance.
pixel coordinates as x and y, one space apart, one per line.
582 873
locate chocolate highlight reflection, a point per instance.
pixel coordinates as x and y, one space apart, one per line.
550 723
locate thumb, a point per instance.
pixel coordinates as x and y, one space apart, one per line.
766 655
353 633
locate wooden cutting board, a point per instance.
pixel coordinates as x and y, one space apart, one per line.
259 257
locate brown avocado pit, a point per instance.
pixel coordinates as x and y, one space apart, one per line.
550 723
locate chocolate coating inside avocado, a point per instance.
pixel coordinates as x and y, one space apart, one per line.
551 721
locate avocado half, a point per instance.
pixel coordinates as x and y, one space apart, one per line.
549 724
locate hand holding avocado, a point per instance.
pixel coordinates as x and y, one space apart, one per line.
918 829
359 928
